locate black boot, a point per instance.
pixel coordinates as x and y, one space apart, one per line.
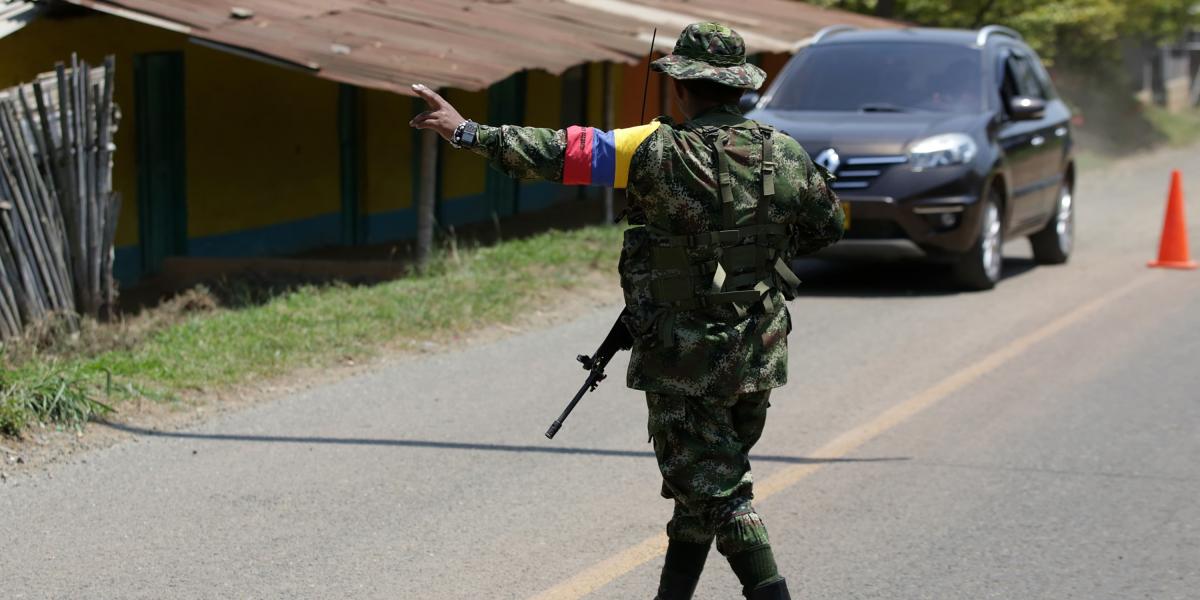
676 586
681 570
776 590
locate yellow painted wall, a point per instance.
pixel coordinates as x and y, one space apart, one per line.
387 152
543 100
463 172
262 143
618 86
595 99
261 140
595 108
35 49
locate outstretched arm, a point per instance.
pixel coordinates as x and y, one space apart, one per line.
574 156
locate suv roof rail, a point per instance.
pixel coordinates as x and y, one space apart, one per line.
991 30
831 30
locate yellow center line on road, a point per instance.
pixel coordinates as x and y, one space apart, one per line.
607 570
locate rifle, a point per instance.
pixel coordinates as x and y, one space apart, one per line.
618 339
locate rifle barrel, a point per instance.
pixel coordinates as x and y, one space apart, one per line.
558 423
618 339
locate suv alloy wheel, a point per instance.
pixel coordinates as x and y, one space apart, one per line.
1053 245
981 266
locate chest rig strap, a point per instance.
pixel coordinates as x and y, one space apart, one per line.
725 180
741 262
728 220
762 223
762 212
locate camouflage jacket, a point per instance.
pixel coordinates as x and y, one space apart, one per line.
669 173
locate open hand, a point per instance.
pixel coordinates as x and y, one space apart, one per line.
441 116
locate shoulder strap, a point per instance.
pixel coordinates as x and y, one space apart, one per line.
763 215
768 167
725 180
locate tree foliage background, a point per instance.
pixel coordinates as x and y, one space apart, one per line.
1072 30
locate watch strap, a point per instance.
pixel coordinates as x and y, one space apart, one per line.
465 134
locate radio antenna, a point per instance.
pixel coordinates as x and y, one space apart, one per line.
646 85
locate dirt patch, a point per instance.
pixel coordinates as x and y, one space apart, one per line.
43 446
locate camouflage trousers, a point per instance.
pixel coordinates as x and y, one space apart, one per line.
702 445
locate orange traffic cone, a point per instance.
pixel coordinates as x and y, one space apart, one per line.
1173 250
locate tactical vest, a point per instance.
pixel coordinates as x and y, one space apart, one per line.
737 266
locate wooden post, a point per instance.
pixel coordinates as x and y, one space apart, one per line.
1158 77
1194 97
609 124
427 195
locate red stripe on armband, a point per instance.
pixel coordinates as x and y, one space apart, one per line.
577 166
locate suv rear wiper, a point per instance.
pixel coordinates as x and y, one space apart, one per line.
881 107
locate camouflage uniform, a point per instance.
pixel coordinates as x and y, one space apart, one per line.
707 370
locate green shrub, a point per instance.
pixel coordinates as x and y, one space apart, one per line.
47 392
13 417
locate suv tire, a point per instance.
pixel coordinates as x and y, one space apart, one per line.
1053 245
981 266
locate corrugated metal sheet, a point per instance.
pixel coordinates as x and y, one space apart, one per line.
466 44
15 14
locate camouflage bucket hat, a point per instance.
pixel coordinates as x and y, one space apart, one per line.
711 51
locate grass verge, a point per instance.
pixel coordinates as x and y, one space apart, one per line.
47 393
1099 147
1180 128
311 326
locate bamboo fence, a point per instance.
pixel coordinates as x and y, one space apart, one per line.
58 211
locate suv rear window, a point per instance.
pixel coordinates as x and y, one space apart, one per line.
883 77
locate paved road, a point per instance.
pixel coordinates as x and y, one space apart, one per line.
1038 441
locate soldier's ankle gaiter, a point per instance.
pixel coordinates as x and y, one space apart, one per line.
754 567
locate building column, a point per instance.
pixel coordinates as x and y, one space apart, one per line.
350 163
160 122
506 106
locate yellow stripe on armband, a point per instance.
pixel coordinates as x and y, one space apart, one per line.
627 142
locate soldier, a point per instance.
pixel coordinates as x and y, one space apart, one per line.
717 207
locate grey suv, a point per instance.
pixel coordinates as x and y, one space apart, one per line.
944 143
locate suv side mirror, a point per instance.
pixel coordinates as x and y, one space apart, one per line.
1026 108
748 101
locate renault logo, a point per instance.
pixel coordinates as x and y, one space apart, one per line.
829 159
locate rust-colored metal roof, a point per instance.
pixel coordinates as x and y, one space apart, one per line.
466 44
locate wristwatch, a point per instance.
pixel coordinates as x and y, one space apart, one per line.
464 134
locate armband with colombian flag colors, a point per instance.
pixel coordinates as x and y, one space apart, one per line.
596 157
